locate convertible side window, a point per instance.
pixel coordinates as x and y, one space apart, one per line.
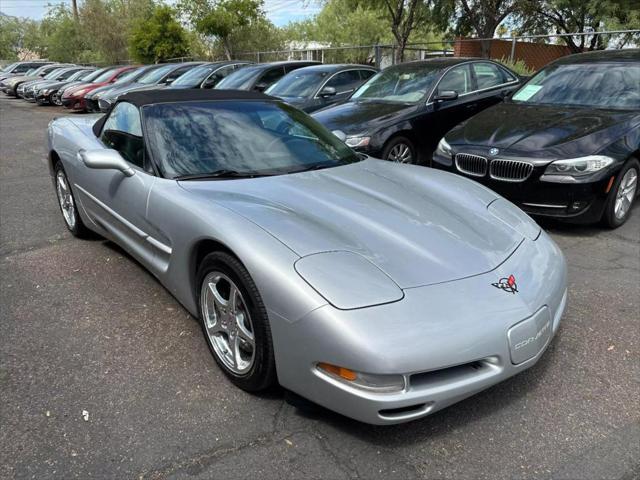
457 79
123 132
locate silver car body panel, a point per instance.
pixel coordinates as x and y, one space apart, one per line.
409 288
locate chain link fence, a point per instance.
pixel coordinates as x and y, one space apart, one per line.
524 53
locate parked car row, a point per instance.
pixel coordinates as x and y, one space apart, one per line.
564 143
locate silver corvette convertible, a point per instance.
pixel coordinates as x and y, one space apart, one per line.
382 291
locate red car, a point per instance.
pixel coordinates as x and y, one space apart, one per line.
74 97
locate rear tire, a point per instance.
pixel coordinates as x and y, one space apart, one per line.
400 150
622 195
68 205
236 328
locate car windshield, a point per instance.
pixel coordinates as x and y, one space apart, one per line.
195 76
298 83
127 77
155 75
238 79
40 70
403 84
602 85
105 76
80 74
243 137
52 75
96 74
9 67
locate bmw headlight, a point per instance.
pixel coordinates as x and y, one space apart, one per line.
570 170
444 148
357 141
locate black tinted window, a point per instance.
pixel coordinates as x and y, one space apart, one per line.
270 77
367 74
457 79
488 75
344 81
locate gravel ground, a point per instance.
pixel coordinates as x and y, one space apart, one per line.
84 327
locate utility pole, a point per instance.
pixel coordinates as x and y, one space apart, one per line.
74 6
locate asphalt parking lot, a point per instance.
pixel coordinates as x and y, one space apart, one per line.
84 328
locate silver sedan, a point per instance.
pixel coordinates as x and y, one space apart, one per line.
382 291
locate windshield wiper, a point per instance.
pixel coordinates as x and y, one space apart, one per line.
317 166
222 174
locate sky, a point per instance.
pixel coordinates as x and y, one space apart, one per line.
280 12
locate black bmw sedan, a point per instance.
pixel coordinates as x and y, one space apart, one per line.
402 112
566 145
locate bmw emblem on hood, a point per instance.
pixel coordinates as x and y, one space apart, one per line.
494 151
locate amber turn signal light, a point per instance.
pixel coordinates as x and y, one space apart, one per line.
341 372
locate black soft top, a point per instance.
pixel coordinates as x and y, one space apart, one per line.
169 95
149 97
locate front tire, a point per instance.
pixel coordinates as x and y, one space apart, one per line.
622 195
400 150
68 205
235 323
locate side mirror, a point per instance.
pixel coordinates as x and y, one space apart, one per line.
260 87
328 92
106 159
340 134
446 95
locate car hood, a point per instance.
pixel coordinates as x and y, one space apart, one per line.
420 226
355 117
544 131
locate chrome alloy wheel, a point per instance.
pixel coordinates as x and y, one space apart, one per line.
626 193
65 198
227 322
400 153
56 99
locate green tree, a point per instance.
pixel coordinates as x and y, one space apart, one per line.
570 16
62 37
224 18
159 37
18 36
480 18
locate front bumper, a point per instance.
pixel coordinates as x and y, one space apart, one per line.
582 202
91 105
448 340
73 103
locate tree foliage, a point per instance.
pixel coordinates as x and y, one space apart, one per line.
19 37
571 16
235 24
159 37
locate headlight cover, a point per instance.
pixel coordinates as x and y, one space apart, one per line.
510 214
347 280
570 170
357 141
444 148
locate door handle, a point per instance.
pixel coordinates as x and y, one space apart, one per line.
471 106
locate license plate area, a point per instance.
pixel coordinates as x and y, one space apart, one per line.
528 337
